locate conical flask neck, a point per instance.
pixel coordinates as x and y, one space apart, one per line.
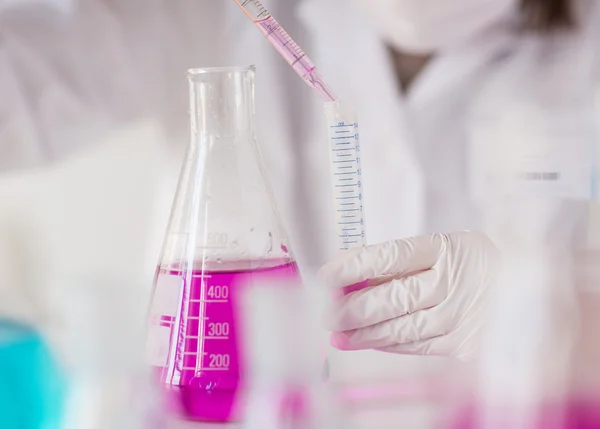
224 210
221 103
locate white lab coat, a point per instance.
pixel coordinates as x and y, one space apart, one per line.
70 78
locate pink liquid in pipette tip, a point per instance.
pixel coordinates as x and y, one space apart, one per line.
294 55
205 370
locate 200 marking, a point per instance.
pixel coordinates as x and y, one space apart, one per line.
219 361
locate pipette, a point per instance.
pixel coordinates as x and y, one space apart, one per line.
282 41
344 143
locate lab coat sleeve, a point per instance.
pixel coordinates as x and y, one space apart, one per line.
70 76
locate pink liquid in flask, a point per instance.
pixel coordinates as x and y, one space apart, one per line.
198 338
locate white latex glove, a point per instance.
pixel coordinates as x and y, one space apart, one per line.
424 295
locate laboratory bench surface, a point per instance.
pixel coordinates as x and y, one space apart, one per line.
417 401
416 416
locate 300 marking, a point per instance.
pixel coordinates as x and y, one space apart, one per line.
218 329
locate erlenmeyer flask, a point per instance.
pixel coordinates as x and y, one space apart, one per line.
224 230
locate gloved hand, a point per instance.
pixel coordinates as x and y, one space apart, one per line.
423 295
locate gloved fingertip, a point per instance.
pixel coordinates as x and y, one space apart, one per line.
340 341
329 277
332 273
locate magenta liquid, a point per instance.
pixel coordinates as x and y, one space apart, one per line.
194 342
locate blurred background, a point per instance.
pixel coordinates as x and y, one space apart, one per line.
94 125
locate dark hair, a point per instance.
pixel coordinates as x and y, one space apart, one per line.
547 15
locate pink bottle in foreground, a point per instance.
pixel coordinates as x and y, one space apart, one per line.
224 232
575 413
556 384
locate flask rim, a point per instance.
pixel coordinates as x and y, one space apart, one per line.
227 69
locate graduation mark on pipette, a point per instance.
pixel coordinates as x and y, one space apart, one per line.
346 173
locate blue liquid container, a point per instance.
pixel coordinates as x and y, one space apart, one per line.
32 387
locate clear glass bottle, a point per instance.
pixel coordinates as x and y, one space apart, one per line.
533 320
102 341
224 230
281 333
